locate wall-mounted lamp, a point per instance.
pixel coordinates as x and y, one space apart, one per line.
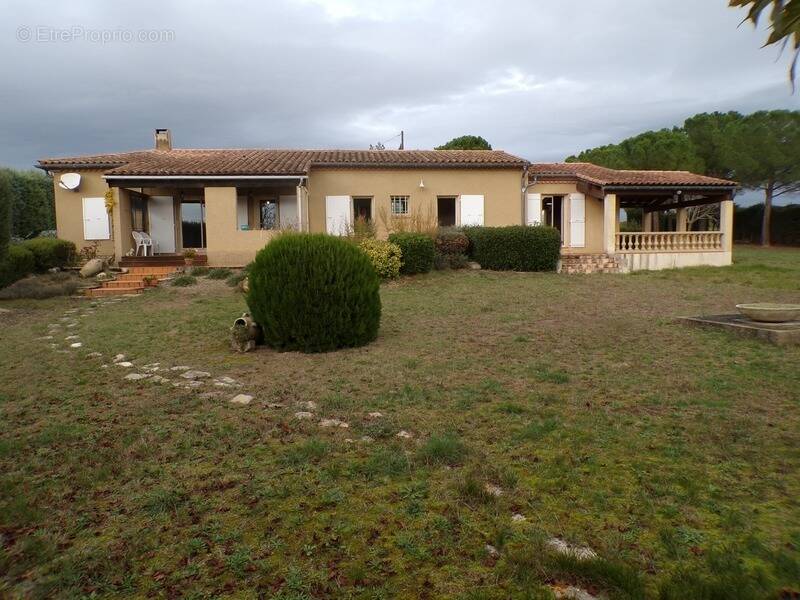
421 184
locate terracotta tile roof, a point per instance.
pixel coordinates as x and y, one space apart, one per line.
178 162
603 176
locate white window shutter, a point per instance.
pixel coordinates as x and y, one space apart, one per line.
337 215
471 210
534 210
577 220
95 219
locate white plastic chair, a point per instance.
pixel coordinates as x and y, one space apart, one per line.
151 242
142 242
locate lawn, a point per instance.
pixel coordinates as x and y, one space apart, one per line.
534 406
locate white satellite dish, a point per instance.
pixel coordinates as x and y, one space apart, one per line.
70 181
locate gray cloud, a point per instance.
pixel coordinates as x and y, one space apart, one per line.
539 79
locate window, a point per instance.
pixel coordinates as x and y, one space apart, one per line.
399 205
269 214
138 213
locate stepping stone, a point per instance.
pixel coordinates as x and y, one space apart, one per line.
136 376
207 395
274 405
152 367
124 363
517 518
366 439
70 325
118 358
572 592
196 374
333 423
45 337
72 337
493 490
404 434
94 355
221 384
375 415
242 399
228 380
309 405
303 415
76 345
491 551
159 379
564 547
180 368
187 384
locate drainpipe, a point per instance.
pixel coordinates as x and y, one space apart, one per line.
525 186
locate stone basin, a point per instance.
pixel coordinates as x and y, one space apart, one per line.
770 312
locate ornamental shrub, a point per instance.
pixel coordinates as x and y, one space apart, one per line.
314 293
384 256
417 252
515 248
452 242
51 252
16 264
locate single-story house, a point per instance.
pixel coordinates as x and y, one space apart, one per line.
227 203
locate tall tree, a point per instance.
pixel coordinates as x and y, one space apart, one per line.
6 198
32 206
706 132
667 149
763 151
466 142
784 16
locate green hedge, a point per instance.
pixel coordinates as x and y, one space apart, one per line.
417 251
314 293
515 248
16 264
51 252
785 228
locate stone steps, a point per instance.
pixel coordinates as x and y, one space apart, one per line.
131 282
589 263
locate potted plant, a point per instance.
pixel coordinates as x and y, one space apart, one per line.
150 281
189 256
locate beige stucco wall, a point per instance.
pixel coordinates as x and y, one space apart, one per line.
69 209
501 189
226 245
593 217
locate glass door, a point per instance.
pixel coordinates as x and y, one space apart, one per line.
193 224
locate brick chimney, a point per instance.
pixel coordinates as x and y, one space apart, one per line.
163 139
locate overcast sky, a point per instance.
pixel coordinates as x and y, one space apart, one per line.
539 79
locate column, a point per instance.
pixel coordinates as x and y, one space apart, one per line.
647 221
610 219
682 221
726 224
121 223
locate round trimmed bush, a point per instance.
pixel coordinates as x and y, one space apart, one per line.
314 293
452 243
417 251
51 252
16 264
385 257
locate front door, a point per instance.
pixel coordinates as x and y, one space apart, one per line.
446 210
162 222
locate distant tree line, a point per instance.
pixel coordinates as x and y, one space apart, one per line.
28 196
760 151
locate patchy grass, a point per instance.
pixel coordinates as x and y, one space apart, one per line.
219 273
671 451
199 271
184 280
38 287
